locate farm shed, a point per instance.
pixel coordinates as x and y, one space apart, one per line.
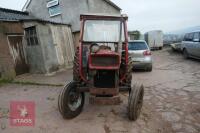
49 46
28 44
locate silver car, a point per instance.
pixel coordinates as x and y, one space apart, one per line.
140 55
191 45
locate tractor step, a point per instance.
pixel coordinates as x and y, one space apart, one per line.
115 100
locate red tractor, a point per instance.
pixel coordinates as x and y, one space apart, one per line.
101 67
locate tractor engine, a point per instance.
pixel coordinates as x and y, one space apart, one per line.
104 65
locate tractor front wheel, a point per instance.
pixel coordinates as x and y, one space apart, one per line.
135 101
70 102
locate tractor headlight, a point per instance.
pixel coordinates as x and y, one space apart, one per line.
94 48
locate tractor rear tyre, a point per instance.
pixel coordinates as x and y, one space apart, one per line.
135 101
76 76
70 102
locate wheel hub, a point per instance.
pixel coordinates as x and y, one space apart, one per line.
74 100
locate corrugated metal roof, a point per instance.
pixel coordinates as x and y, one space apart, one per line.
44 21
14 15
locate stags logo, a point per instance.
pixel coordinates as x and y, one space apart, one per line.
22 113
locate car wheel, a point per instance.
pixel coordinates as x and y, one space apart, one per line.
149 69
185 54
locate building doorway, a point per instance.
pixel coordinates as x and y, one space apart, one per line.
18 53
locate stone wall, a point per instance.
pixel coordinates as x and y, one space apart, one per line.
55 49
71 10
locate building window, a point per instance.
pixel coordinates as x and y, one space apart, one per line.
51 3
54 11
31 36
53 7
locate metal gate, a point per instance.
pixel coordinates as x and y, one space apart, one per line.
18 53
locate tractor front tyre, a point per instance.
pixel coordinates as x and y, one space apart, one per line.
70 102
135 102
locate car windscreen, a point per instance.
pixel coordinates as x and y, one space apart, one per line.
137 46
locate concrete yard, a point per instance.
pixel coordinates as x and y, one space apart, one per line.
171 102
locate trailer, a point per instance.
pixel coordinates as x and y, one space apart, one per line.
154 39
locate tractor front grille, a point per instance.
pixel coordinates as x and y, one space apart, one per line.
105 62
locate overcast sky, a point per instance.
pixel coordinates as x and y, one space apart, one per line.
145 15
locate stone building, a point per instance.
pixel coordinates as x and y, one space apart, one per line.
68 11
28 44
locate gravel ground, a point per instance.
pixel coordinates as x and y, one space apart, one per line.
173 90
171 102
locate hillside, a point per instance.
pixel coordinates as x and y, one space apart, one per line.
186 30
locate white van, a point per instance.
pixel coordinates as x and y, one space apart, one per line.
154 39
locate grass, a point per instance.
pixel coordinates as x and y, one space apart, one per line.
4 81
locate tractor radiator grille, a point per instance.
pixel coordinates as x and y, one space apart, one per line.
105 61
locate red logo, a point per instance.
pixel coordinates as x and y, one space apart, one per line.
22 113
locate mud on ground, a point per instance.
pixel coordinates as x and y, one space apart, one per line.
171 102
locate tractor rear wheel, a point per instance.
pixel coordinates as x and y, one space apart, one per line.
135 101
76 76
70 102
